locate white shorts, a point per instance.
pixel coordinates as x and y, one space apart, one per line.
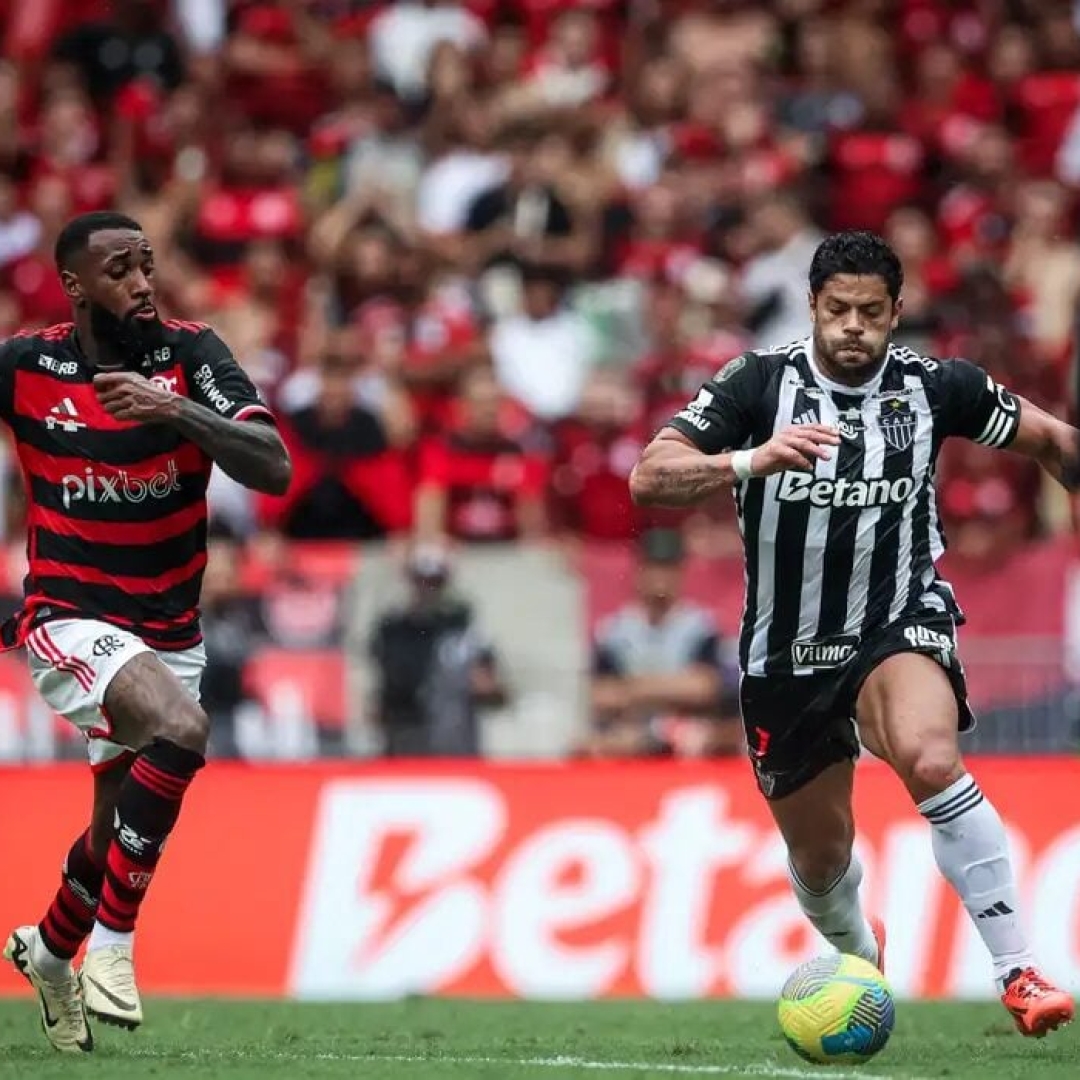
72 663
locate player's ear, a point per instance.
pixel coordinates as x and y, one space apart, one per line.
897 308
810 300
73 288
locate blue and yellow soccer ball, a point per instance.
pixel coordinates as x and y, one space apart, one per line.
837 1009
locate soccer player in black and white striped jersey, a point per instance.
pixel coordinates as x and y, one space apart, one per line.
848 634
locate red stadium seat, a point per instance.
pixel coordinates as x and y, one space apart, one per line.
328 562
277 676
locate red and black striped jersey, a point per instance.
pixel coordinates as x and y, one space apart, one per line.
116 522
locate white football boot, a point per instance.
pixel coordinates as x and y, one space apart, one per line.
107 977
63 1014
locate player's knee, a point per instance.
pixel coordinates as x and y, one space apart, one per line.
932 768
819 865
189 728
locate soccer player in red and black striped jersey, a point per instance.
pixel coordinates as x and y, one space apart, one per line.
118 418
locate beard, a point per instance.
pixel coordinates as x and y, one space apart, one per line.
124 342
853 367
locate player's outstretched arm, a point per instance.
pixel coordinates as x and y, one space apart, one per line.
249 451
1054 444
673 472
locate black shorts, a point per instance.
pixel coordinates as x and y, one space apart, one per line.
799 725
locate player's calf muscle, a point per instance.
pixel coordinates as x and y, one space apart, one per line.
817 826
107 786
145 700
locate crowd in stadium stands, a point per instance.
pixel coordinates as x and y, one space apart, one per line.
476 251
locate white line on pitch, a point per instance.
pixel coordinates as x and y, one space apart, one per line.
756 1069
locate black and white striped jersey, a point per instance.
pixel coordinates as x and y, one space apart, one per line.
833 555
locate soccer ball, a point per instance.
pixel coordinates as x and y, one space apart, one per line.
836 1009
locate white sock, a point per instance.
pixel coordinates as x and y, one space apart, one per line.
101 936
973 854
51 966
835 912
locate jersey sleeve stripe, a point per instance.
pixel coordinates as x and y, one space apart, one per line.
991 423
249 412
990 432
999 429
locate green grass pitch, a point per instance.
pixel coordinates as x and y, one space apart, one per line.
460 1040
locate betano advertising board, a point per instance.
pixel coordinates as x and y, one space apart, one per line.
571 881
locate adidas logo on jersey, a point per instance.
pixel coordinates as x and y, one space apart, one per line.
65 417
802 487
808 417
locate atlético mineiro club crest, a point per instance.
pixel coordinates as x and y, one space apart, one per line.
897 423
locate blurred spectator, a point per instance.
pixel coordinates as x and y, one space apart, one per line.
542 355
404 35
349 479
774 280
569 69
255 197
1042 267
658 682
638 142
659 240
686 345
463 165
522 218
232 629
989 507
595 449
134 44
435 670
876 165
478 482
928 275
33 277
445 341
20 230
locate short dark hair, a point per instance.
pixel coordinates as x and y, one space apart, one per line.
856 252
75 235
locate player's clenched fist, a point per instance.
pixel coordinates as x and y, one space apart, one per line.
796 447
129 396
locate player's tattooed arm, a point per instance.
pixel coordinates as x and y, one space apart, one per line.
1054 444
251 452
674 472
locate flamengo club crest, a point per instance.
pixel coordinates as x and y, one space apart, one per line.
897 423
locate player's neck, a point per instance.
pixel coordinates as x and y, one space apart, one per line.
98 354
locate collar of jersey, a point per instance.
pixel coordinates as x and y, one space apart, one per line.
842 388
